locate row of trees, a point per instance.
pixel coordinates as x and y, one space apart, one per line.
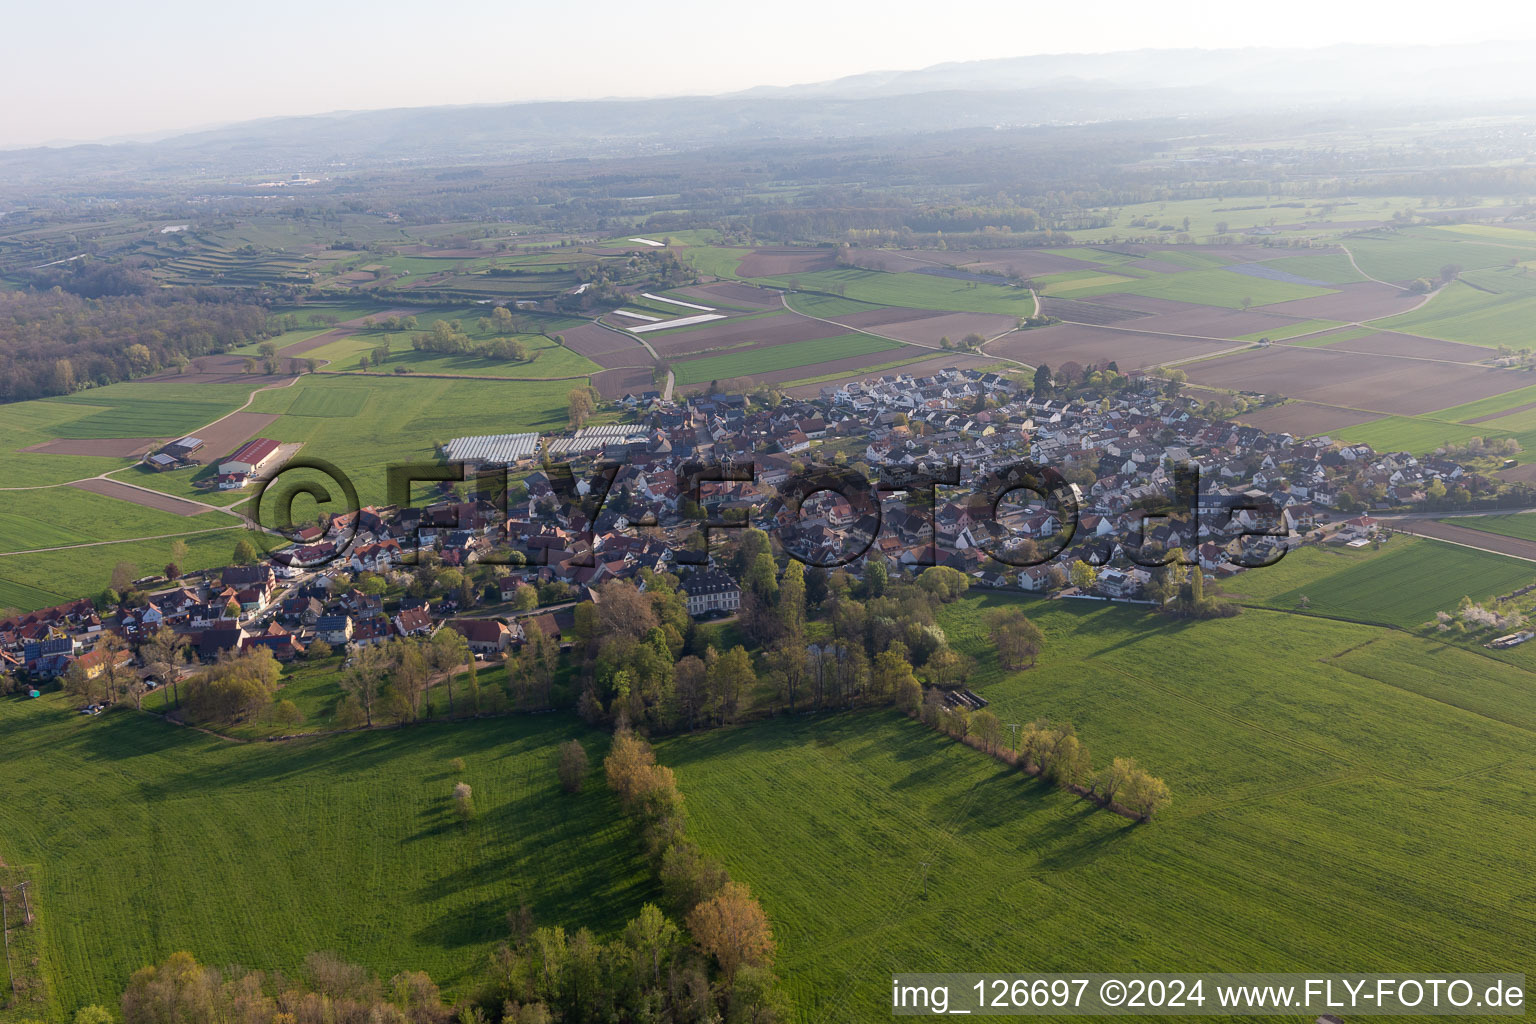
179 990
726 922
1052 751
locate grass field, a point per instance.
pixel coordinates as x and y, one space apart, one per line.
68 515
1334 268
1314 820
547 359
716 261
1216 287
1418 434
1463 313
136 409
1522 525
781 357
363 424
923 291
23 424
36 579
148 839
1421 252
180 483
1404 584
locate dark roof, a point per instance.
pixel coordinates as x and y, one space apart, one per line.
708 581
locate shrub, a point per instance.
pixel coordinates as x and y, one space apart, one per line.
572 766
463 801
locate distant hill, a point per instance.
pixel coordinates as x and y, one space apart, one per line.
1050 89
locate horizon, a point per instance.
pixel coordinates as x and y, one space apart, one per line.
114 96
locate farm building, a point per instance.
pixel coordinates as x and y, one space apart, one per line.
484 636
711 590
492 449
174 455
253 456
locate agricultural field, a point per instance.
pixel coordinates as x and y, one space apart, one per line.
1411 434
924 291
789 356
56 516
546 359
1489 308
1356 853
363 424
149 409
278 850
1222 287
1521 525
1403 585
36 579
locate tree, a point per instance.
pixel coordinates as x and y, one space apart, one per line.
792 602
653 940
1083 575
1145 794
731 927
876 577
1113 778
572 766
179 551
891 674
463 801
364 679
1016 639
579 406
318 650
245 552
163 654
1042 379
122 576
987 729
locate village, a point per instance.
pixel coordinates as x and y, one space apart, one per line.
604 503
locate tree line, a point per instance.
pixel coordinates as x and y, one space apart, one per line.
55 343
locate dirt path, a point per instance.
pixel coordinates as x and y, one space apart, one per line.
784 300
1363 274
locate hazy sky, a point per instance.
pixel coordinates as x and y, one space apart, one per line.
95 69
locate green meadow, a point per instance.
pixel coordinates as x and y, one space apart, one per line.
152 409
1316 816
1403 585
923 291
35 579
146 838
1419 434
1478 315
364 424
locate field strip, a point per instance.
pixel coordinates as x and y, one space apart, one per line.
784 299
677 302
126 540
144 496
947 831
1238 720
1465 537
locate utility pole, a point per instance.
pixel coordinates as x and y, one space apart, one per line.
1015 727
925 879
